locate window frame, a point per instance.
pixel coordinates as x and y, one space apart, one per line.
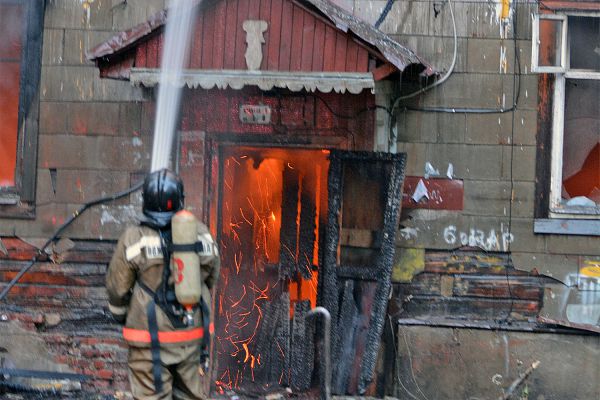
561 74
18 201
535 43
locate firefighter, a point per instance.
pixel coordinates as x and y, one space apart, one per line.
168 343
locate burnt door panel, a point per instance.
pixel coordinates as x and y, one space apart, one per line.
269 219
365 194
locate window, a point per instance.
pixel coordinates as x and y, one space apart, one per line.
21 27
568 46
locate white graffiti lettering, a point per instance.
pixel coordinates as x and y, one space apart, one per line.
478 238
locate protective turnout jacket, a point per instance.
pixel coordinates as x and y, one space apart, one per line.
137 261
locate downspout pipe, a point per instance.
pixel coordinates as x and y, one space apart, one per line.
326 379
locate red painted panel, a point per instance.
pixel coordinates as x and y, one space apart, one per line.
295 40
230 34
208 37
265 15
444 194
351 56
140 55
161 45
196 44
240 38
274 36
286 36
341 42
254 9
308 42
362 62
318 46
297 31
152 57
219 38
329 55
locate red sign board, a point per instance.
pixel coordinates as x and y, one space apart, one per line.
441 193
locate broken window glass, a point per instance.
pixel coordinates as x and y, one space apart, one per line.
584 43
581 141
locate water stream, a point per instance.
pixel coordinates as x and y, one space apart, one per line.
178 32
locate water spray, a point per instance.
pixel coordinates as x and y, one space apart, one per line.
180 23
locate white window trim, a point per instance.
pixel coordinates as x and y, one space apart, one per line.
557 210
535 44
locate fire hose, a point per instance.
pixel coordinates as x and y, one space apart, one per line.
64 226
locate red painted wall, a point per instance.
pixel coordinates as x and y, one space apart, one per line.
296 40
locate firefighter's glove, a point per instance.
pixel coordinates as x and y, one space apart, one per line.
119 314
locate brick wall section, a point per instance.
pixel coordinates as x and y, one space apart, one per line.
469 286
64 305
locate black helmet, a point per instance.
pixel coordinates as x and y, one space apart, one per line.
163 197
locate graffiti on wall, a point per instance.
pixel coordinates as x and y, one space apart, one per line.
491 240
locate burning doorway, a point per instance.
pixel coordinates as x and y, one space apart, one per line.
272 211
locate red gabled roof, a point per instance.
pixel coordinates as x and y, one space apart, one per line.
303 35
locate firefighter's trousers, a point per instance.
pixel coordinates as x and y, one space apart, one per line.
180 376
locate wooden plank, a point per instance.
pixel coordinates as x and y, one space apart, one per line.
364 238
341 43
522 288
329 49
308 42
254 10
306 240
208 38
383 71
280 357
218 51
302 348
195 61
469 308
364 327
361 273
140 55
287 18
444 194
297 30
265 15
362 60
274 35
161 45
351 56
288 266
343 351
152 56
318 46
230 34
240 37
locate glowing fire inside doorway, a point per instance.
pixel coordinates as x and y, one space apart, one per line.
272 212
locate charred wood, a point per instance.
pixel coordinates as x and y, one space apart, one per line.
289 227
302 348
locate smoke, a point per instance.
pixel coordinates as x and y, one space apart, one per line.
176 48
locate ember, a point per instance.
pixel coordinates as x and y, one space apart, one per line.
269 231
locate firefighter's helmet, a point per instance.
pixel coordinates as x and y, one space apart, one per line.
163 196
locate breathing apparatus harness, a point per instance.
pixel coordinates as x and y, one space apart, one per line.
179 292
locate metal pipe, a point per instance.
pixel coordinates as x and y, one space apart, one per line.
325 380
